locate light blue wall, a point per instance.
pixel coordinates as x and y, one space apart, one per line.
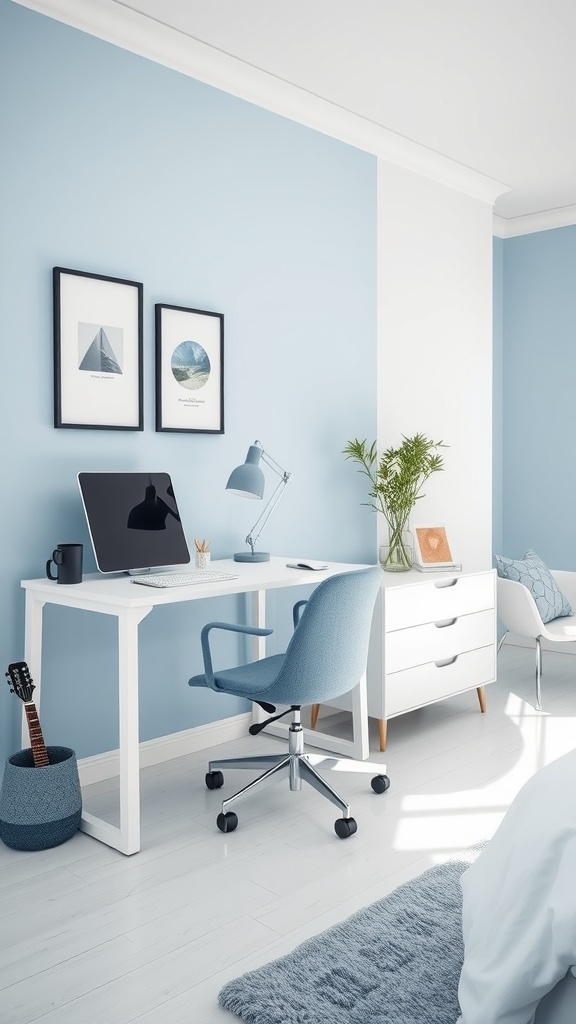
115 165
538 382
497 397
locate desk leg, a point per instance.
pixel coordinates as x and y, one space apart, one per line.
257 615
126 839
361 742
129 730
258 618
32 653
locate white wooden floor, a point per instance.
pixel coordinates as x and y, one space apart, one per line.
89 935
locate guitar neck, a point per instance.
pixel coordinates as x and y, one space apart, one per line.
39 752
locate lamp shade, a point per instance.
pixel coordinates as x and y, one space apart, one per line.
247 480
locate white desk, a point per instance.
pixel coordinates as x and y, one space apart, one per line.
130 603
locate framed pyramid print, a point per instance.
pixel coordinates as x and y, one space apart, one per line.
97 351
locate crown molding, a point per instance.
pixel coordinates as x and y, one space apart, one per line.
499 226
563 217
117 24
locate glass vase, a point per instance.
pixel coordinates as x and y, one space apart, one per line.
396 555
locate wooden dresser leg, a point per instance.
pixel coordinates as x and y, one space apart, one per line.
383 730
314 715
482 698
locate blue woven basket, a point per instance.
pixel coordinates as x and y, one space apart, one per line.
40 807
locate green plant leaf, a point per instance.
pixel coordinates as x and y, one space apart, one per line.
398 474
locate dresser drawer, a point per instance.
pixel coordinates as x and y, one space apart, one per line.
415 687
438 599
434 641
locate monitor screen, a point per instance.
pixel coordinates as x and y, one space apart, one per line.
133 521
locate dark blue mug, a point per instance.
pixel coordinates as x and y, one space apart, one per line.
68 561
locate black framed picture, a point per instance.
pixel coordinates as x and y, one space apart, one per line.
189 370
98 330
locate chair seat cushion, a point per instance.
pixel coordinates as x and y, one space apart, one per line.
536 576
563 628
251 680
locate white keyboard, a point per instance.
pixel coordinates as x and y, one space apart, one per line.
184 579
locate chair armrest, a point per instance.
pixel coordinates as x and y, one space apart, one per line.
231 627
517 609
297 612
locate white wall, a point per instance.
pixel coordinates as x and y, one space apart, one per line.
435 347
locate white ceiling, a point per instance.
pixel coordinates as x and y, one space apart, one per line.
479 93
490 84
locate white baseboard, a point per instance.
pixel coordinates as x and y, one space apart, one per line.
105 766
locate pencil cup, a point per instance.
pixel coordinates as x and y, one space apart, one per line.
202 559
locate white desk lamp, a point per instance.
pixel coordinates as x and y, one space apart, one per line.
248 481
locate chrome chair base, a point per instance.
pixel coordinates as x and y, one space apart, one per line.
298 766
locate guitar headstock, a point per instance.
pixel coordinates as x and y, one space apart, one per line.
20 680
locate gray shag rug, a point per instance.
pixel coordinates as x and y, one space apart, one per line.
397 961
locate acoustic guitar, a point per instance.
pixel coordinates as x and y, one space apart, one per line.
20 683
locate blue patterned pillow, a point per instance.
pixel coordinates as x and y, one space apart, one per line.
535 574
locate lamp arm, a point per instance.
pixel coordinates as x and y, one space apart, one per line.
269 507
273 464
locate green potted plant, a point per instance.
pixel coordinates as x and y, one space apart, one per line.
396 478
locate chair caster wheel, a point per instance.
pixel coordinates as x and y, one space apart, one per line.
345 827
380 783
214 780
227 822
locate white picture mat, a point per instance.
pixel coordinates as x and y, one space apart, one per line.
90 397
183 409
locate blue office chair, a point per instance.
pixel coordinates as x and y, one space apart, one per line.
326 657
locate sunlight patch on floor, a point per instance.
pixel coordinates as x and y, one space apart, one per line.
446 832
466 816
546 734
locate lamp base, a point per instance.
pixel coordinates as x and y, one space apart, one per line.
247 556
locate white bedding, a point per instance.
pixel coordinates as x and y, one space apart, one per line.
519 909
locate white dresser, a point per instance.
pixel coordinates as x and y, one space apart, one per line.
433 635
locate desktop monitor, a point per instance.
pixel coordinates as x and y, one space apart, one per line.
133 521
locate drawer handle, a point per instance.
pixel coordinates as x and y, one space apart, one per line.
441 584
445 622
446 661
